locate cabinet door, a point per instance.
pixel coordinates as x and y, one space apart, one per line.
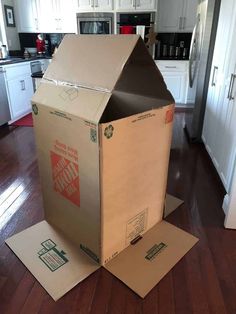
176 84
125 4
145 5
20 92
225 140
26 11
189 15
85 5
47 10
103 5
170 14
65 16
218 129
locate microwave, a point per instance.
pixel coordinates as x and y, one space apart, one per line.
95 23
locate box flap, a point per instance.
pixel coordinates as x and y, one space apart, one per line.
56 263
141 76
171 204
92 61
85 103
142 265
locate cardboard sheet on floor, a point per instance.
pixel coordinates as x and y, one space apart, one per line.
59 265
55 262
142 265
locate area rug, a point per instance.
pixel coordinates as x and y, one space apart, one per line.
25 121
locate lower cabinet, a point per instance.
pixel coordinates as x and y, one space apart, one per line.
20 89
176 79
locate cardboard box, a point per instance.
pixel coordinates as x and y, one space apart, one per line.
103 122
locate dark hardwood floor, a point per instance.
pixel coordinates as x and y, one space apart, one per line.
204 281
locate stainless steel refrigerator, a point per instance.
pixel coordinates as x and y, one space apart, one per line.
200 58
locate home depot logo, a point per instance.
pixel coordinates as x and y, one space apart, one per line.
65 174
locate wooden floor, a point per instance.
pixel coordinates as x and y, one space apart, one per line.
204 281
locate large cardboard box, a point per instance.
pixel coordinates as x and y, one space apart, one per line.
103 122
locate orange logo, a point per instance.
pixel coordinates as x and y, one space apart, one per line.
65 174
169 116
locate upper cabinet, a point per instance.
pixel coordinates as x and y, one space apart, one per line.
51 16
27 15
94 5
137 5
177 15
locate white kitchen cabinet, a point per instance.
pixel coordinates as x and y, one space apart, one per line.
219 129
145 5
94 5
19 89
46 16
27 15
20 93
176 15
85 5
65 16
137 5
175 77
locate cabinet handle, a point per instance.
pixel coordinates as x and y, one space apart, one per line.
134 3
231 87
138 3
183 22
22 82
96 4
36 23
170 67
180 22
213 82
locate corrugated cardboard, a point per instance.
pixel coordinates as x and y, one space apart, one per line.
103 122
54 261
171 203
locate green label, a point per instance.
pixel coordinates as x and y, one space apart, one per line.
155 250
51 256
35 109
93 135
109 131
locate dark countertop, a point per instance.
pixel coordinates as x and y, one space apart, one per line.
13 60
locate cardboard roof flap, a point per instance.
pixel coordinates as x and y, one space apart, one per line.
107 63
119 64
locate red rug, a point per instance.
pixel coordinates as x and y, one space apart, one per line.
25 121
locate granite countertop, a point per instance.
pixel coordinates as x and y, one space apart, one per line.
13 60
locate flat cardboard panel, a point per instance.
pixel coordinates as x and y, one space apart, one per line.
171 204
68 155
55 262
143 265
91 61
134 165
80 102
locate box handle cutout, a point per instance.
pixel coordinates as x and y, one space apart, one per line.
136 240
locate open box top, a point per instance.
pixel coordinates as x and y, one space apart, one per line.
116 74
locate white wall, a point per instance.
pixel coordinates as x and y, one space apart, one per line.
11 32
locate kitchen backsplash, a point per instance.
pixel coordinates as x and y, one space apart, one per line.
29 40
